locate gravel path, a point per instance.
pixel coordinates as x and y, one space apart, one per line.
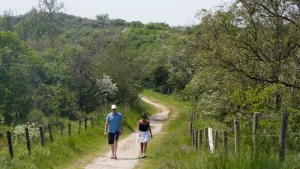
128 149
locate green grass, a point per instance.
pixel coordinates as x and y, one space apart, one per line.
74 151
172 149
170 100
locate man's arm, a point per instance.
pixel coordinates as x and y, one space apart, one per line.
121 126
105 128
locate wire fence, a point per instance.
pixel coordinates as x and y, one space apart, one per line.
263 128
48 133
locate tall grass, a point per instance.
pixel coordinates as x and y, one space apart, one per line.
65 151
173 149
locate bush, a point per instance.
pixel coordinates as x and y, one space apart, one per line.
19 131
36 116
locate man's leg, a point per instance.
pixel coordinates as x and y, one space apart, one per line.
111 142
112 150
116 138
115 148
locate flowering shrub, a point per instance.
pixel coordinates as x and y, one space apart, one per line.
106 89
33 128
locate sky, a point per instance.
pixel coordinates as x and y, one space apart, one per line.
172 12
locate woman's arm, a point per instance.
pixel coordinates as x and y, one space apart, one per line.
149 128
138 128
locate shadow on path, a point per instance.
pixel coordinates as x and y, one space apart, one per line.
138 158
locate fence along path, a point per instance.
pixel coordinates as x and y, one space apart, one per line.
211 138
50 129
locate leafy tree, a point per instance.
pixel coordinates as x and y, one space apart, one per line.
33 26
262 49
160 76
6 21
118 22
136 24
120 62
103 19
10 49
56 100
15 92
52 17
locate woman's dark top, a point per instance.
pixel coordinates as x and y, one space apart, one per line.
144 127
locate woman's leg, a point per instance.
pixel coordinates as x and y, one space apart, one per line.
145 147
142 148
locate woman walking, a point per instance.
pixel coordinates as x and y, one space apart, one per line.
144 133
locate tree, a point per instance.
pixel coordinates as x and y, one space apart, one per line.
14 90
120 62
250 40
103 19
55 100
10 49
33 26
136 24
6 21
52 17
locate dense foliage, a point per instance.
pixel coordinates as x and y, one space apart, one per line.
242 58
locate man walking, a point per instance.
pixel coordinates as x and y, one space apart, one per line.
114 125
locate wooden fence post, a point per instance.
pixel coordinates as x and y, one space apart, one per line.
8 136
191 117
79 126
237 134
255 128
42 136
196 139
28 140
61 129
216 139
206 137
194 116
69 127
193 138
200 138
191 127
50 133
92 122
85 123
283 134
224 141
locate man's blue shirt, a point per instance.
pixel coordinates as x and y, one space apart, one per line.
114 122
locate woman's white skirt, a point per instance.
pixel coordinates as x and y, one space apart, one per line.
145 137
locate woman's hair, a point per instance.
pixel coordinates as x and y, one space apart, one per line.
144 115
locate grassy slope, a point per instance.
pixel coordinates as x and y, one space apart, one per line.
70 152
173 148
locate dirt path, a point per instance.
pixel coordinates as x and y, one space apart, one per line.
128 149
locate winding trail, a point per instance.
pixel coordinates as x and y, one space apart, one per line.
128 149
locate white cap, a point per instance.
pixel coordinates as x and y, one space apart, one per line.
113 106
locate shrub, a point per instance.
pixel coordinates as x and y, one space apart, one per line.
19 131
36 116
